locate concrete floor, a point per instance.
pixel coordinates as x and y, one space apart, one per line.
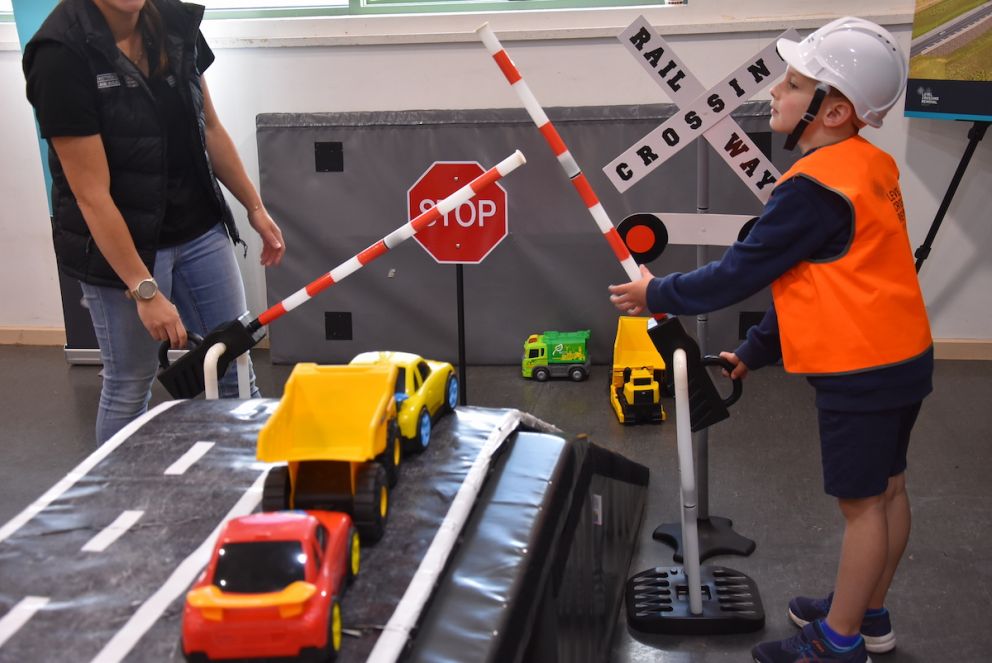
764 474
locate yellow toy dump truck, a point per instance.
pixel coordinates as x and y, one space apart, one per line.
336 429
637 377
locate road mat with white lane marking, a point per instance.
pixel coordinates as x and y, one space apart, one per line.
108 603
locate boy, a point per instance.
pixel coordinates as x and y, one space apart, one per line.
847 312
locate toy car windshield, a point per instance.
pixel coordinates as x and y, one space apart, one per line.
259 566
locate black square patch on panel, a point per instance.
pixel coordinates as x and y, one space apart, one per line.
763 141
328 157
747 320
337 325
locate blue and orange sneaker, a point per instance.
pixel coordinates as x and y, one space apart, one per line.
810 645
876 627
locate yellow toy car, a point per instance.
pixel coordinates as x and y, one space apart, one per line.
425 390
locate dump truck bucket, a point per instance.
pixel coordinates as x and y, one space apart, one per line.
633 347
330 413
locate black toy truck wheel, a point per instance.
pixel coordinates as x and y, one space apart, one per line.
275 492
541 374
391 458
371 502
665 389
577 373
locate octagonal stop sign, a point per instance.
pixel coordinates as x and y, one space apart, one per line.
467 233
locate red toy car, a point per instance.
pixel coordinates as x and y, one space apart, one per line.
272 588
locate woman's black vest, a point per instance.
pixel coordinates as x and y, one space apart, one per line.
133 136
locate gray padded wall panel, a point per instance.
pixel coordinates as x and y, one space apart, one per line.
551 272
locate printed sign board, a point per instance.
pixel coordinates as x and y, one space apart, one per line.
950 61
698 116
659 61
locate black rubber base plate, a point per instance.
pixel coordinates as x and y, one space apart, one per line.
657 601
716 537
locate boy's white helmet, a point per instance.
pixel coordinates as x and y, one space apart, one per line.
858 58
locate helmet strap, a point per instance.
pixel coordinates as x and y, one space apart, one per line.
814 107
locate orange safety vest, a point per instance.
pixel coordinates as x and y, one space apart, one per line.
863 309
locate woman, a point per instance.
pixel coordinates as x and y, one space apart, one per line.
136 150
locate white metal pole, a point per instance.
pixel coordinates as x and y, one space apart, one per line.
210 359
683 432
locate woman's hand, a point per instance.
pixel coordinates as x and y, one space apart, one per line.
632 298
231 172
740 368
273 247
161 319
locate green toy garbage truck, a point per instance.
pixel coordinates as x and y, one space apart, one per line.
556 354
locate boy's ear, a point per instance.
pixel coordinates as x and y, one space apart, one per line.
837 112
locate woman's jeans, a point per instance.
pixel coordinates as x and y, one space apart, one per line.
202 279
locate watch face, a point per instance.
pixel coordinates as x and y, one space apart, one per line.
146 289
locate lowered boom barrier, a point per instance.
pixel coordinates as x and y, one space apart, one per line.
184 378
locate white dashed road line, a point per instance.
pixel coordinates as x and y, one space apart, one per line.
113 531
69 480
19 615
145 617
186 461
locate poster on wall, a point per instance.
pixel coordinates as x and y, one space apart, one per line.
950 60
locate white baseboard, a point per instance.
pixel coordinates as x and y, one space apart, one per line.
962 348
32 336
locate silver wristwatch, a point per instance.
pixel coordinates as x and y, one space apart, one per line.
145 290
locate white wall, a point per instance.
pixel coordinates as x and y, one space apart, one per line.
350 69
29 289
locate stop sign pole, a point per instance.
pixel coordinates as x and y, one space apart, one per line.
464 234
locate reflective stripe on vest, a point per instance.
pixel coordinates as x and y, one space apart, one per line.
863 309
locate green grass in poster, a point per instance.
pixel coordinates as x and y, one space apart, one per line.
970 63
940 13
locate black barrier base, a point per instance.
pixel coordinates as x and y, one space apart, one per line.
657 601
716 537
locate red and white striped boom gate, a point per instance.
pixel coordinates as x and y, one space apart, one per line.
184 378
557 145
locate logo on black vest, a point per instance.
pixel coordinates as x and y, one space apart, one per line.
104 81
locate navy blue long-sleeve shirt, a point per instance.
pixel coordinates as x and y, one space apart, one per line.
801 221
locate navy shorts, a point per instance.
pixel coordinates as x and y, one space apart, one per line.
861 450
